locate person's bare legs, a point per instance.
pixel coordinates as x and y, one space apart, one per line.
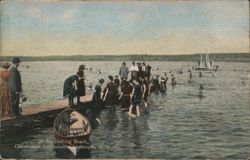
130 109
138 111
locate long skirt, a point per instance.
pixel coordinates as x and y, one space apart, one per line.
81 88
111 99
125 101
5 104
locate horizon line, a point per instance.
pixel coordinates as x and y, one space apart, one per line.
128 54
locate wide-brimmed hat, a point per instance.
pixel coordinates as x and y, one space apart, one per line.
15 60
5 65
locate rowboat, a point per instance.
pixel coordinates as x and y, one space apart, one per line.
72 130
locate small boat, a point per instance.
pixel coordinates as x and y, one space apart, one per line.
72 130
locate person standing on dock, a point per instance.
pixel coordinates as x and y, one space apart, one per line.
15 87
123 72
69 88
80 86
80 83
4 90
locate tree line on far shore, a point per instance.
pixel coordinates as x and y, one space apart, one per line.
219 57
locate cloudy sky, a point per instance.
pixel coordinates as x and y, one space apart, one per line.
136 27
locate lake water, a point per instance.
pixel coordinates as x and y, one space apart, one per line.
177 125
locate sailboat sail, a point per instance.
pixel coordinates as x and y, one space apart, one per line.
211 63
200 61
207 62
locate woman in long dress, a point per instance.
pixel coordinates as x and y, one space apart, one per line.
110 94
4 91
126 90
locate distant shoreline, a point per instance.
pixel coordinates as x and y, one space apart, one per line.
219 57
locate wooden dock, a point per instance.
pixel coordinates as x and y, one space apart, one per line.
31 112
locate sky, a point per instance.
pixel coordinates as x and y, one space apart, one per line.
41 28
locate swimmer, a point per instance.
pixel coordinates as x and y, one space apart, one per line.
173 80
201 87
200 74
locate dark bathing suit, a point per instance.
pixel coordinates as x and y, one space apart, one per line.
137 98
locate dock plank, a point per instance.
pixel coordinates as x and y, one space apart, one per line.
33 110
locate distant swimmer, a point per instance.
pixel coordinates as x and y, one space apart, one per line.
243 83
90 69
201 87
190 74
99 71
200 95
163 86
180 71
200 74
173 80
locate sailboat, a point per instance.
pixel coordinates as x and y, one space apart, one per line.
208 64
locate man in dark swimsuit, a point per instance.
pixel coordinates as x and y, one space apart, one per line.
136 98
69 88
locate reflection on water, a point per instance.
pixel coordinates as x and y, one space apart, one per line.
181 123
